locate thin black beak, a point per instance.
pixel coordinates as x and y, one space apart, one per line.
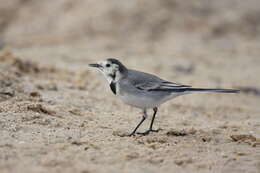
95 65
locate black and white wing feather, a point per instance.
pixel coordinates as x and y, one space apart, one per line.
161 86
148 82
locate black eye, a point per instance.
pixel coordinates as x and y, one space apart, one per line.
107 65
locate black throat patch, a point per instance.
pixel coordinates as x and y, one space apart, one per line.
113 87
113 76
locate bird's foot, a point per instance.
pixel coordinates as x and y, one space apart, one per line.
148 131
127 135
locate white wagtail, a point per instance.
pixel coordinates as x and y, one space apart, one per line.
143 90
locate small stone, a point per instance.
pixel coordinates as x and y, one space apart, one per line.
35 94
241 153
132 156
243 138
175 132
206 139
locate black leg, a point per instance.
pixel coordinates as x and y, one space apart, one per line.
154 113
151 125
144 117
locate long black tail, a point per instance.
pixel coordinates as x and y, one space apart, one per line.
211 90
189 89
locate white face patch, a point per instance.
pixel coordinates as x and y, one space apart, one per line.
110 71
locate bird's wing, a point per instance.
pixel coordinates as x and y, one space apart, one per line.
145 81
160 86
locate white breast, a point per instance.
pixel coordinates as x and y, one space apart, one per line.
145 102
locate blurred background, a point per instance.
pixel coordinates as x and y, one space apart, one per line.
183 34
24 23
202 40
55 114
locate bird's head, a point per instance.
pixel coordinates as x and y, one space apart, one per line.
112 69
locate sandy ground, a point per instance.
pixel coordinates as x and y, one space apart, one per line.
59 115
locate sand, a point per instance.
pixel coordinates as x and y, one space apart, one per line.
59 115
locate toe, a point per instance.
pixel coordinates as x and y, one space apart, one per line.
144 133
127 135
157 130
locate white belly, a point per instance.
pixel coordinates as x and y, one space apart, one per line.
145 102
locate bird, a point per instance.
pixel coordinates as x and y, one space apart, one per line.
143 90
